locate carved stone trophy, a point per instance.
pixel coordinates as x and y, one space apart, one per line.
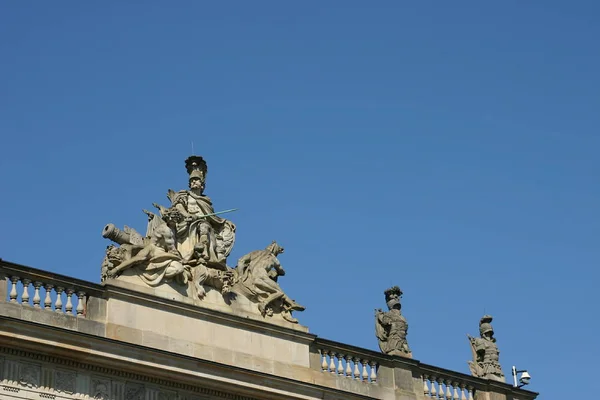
185 250
391 327
486 358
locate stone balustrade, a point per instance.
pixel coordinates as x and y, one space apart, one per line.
444 388
51 292
348 365
216 340
442 384
351 363
348 362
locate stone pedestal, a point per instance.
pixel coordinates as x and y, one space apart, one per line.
231 303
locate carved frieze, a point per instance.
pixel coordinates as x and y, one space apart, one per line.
65 381
134 391
29 375
167 395
100 388
104 383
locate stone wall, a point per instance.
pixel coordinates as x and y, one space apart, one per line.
27 375
109 341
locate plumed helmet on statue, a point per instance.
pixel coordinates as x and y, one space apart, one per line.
485 325
392 296
196 168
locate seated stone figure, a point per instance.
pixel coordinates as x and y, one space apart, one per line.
257 275
158 260
192 216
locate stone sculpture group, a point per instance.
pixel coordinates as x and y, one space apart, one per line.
187 244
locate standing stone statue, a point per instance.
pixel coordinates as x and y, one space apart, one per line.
196 225
485 362
391 327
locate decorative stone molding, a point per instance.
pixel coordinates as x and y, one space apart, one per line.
103 381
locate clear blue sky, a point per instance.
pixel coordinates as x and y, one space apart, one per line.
450 148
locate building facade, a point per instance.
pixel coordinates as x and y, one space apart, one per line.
171 320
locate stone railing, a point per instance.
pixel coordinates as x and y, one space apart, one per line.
439 383
348 362
44 290
348 366
31 294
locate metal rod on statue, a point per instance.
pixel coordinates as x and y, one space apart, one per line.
217 213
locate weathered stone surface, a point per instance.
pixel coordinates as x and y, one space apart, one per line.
177 330
258 272
183 257
391 327
197 347
96 309
3 286
486 356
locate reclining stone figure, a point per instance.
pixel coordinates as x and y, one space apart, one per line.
157 260
257 275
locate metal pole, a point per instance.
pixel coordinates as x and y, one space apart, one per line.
514 374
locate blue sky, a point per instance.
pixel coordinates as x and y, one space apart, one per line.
446 147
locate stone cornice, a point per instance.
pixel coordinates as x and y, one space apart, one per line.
135 362
58 361
122 293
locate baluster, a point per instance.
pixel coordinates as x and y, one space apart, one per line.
463 390
448 389
455 395
13 289
340 367
69 305
323 360
36 295
25 295
365 374
58 304
470 388
332 362
433 387
348 367
373 376
356 370
425 386
48 300
440 382
80 304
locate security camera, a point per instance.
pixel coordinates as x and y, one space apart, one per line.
525 378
